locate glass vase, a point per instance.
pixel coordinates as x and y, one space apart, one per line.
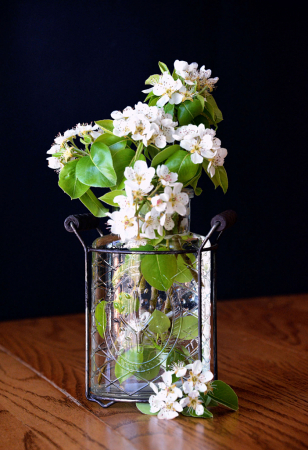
138 331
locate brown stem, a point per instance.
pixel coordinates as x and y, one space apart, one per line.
153 299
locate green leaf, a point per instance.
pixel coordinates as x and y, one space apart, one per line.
188 111
152 362
184 275
109 197
201 100
224 395
145 409
165 154
93 204
209 108
194 181
153 100
159 270
101 318
150 94
101 157
221 175
169 109
190 413
89 174
181 163
159 322
163 67
152 151
106 125
202 119
121 160
127 363
69 182
218 114
187 327
115 143
159 238
153 79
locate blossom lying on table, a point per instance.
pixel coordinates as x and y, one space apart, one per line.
188 389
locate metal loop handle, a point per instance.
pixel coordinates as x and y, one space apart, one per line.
226 219
81 222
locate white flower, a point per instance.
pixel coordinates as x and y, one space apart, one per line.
187 71
54 163
127 112
123 201
186 132
217 160
170 410
155 136
204 80
123 223
55 148
158 203
151 223
192 402
60 139
179 369
136 195
175 199
172 392
167 222
200 146
123 127
138 241
140 176
84 128
150 112
156 403
167 88
96 134
197 380
166 177
142 126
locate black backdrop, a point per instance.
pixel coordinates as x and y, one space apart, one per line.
66 62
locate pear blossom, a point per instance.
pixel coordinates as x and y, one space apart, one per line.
158 203
218 159
150 112
123 127
54 163
186 132
199 146
187 71
192 402
136 195
167 222
204 79
138 241
175 199
179 369
166 177
142 126
166 88
171 390
84 128
197 379
127 112
170 410
151 223
123 201
55 148
123 223
155 136
140 176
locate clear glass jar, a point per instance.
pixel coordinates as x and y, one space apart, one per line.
137 331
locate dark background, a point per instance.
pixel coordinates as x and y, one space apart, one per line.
66 62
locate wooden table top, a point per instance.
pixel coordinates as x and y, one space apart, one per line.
262 354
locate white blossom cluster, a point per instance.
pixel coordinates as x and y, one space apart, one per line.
174 91
165 401
139 189
63 144
145 123
201 143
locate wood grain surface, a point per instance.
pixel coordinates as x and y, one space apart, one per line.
262 354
